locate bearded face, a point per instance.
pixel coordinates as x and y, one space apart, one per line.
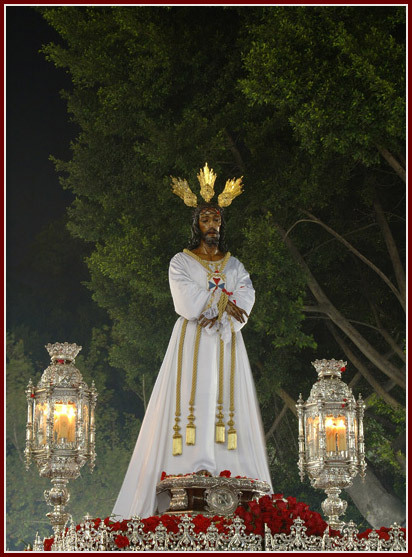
209 225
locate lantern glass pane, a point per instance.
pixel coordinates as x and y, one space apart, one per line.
355 427
40 421
312 437
64 422
86 420
335 430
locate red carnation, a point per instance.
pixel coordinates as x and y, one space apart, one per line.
201 523
121 541
150 523
225 474
171 523
162 477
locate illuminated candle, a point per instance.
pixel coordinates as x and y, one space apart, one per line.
330 434
64 422
341 433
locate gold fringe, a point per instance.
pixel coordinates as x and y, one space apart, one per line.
232 439
177 444
220 432
190 434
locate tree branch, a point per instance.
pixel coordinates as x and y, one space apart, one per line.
276 421
235 151
377 387
392 248
369 351
288 400
16 444
360 256
390 159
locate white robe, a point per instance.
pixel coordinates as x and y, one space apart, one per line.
153 450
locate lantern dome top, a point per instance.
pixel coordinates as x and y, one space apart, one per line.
63 351
329 368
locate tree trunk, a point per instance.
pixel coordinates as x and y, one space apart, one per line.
377 505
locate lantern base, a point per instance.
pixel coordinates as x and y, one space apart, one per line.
58 497
333 507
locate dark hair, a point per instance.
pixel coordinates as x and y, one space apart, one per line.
194 241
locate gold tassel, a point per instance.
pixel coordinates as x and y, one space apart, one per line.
190 434
232 439
220 433
177 444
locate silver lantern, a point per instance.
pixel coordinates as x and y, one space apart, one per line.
331 442
60 431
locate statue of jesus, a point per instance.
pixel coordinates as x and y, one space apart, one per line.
203 413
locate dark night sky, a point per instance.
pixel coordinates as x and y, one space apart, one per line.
37 125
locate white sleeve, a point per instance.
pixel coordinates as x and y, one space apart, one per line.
188 297
243 295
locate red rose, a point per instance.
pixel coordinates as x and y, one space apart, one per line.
121 541
343 369
97 522
48 542
162 477
225 474
107 521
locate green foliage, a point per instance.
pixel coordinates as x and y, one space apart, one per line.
337 73
295 99
385 431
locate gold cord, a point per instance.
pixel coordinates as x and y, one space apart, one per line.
191 428
220 426
232 435
177 438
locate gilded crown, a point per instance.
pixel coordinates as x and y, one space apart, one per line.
207 179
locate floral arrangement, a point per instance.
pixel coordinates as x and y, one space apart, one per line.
274 510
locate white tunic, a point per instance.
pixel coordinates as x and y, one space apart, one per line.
153 450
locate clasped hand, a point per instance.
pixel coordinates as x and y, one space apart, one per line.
231 309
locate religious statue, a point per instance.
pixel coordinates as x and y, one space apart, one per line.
203 413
